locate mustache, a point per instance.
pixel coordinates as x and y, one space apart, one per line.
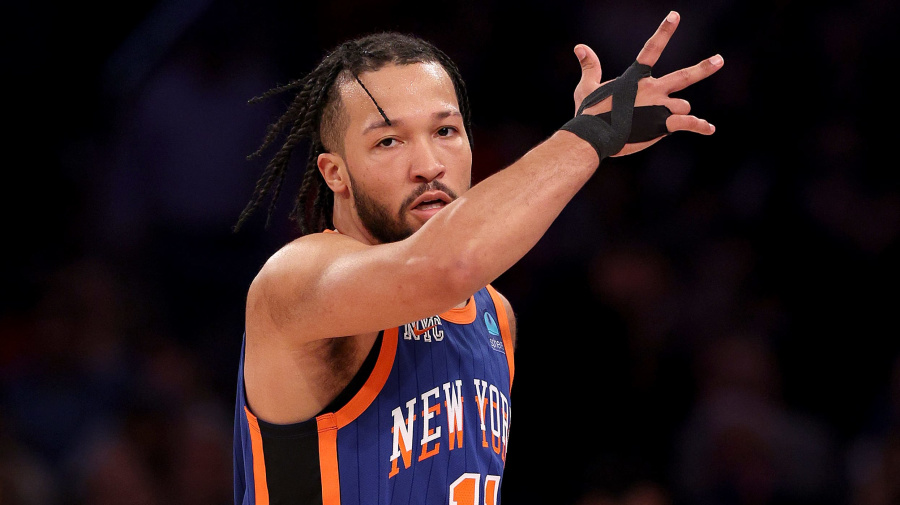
434 185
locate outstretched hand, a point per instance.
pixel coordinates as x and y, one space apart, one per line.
651 90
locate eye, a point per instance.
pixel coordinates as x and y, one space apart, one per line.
446 131
387 142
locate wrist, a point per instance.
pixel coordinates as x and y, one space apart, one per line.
577 149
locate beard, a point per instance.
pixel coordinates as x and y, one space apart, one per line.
377 219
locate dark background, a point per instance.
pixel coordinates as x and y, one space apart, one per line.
710 321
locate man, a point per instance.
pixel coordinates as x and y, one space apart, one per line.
378 360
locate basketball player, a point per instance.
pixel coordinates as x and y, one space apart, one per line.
377 360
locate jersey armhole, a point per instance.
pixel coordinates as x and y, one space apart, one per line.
344 397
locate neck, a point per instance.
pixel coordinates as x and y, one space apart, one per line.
346 223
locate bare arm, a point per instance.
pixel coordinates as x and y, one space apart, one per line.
328 285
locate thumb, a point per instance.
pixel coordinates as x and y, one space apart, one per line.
590 64
591 73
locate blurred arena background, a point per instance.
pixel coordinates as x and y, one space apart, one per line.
710 322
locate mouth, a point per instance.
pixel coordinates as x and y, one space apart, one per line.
430 202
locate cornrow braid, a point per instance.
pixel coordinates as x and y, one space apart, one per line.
302 122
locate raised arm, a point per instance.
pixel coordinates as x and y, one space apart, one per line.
327 286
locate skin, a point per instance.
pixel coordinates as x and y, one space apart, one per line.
425 147
317 305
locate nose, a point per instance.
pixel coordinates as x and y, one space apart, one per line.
426 162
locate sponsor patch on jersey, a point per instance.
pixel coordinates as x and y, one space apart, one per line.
494 331
491 324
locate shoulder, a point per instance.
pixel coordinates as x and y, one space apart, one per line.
313 244
305 254
290 276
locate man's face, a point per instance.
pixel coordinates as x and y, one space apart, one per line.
402 174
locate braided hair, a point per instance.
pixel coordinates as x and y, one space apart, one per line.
314 115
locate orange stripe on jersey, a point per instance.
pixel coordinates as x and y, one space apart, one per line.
259 461
328 463
367 393
461 315
328 424
503 321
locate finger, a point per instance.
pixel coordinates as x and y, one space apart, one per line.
590 64
690 124
678 106
654 46
683 78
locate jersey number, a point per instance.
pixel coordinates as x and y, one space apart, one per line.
465 490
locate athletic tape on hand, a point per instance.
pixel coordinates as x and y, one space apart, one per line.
610 131
648 122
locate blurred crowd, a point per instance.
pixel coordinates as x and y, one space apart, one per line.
709 322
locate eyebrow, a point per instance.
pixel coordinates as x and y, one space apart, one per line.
381 123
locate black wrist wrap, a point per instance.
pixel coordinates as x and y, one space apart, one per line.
610 131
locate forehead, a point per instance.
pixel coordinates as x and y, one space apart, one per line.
402 91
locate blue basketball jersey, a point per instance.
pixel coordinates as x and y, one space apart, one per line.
426 420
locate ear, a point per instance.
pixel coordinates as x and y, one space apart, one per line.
331 166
